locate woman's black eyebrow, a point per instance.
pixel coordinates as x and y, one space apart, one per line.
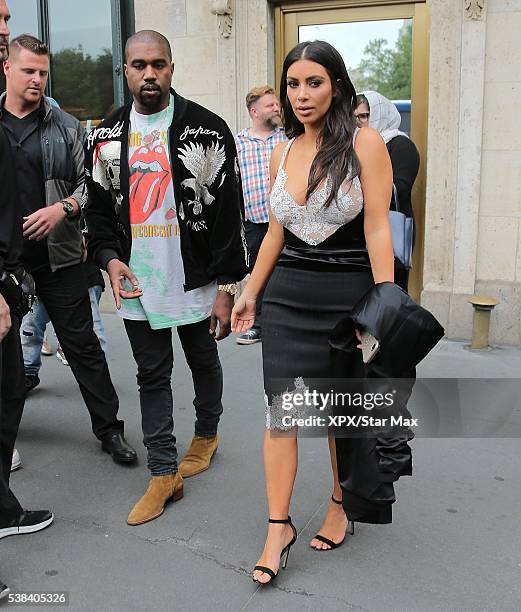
310 78
314 77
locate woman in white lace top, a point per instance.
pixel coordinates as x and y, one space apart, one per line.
328 241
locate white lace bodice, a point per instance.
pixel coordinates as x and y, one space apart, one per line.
311 222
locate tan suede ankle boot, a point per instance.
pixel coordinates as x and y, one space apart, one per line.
199 455
152 504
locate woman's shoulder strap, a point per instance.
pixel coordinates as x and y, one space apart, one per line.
285 152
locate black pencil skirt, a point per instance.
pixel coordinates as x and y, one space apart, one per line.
299 311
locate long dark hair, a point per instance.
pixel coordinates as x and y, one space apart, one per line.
336 156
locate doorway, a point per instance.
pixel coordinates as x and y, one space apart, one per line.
384 44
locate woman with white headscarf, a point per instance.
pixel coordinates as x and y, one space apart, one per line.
379 113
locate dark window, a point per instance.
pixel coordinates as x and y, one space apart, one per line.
24 18
86 40
80 41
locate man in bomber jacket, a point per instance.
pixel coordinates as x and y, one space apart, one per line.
197 200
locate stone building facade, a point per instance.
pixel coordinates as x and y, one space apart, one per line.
473 164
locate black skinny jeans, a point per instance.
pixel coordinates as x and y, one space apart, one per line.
65 295
12 397
154 355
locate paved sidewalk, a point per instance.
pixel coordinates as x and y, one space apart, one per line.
455 543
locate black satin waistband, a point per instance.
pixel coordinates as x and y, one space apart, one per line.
324 259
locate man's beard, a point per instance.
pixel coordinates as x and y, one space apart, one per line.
151 103
273 121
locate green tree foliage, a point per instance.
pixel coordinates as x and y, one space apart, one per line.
387 71
83 85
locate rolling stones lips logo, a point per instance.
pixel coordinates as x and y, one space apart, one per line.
149 178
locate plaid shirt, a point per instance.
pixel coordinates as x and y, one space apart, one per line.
254 159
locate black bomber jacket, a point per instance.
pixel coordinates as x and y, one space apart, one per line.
207 190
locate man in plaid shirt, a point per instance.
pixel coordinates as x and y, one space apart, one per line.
254 147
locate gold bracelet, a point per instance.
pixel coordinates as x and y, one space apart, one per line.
231 288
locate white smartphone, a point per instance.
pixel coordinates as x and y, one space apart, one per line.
370 346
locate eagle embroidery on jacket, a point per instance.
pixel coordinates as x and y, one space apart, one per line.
204 165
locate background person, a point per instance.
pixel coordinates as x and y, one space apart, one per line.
13 518
328 242
254 148
381 114
362 112
35 323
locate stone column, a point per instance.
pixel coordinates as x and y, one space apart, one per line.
442 155
456 104
254 51
470 146
226 32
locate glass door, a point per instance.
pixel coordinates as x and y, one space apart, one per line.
377 55
385 49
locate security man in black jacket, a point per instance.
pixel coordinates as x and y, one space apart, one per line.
13 518
47 149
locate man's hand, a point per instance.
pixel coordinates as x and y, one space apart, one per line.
39 224
118 272
5 318
222 310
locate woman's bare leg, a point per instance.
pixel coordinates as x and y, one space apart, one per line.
335 524
280 467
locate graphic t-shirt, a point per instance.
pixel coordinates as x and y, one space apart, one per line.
155 257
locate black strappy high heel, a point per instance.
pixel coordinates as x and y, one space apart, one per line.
284 552
333 545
